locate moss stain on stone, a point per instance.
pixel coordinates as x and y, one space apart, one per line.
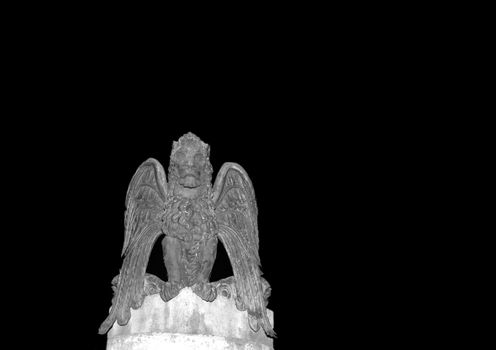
194 322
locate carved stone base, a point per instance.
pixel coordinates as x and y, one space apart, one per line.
187 322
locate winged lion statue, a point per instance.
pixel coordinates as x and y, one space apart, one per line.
193 216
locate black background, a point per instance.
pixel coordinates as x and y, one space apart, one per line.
320 155
333 119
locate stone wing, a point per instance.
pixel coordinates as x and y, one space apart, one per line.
236 212
145 203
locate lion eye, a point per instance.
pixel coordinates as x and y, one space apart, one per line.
180 155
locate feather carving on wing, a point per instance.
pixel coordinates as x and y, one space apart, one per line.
236 213
145 205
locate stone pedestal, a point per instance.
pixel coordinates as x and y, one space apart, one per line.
187 322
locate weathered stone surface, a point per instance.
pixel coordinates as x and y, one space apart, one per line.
188 322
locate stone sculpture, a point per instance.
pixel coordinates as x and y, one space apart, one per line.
193 216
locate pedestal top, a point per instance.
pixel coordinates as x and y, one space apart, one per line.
188 315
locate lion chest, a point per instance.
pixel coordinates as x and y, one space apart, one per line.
190 220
